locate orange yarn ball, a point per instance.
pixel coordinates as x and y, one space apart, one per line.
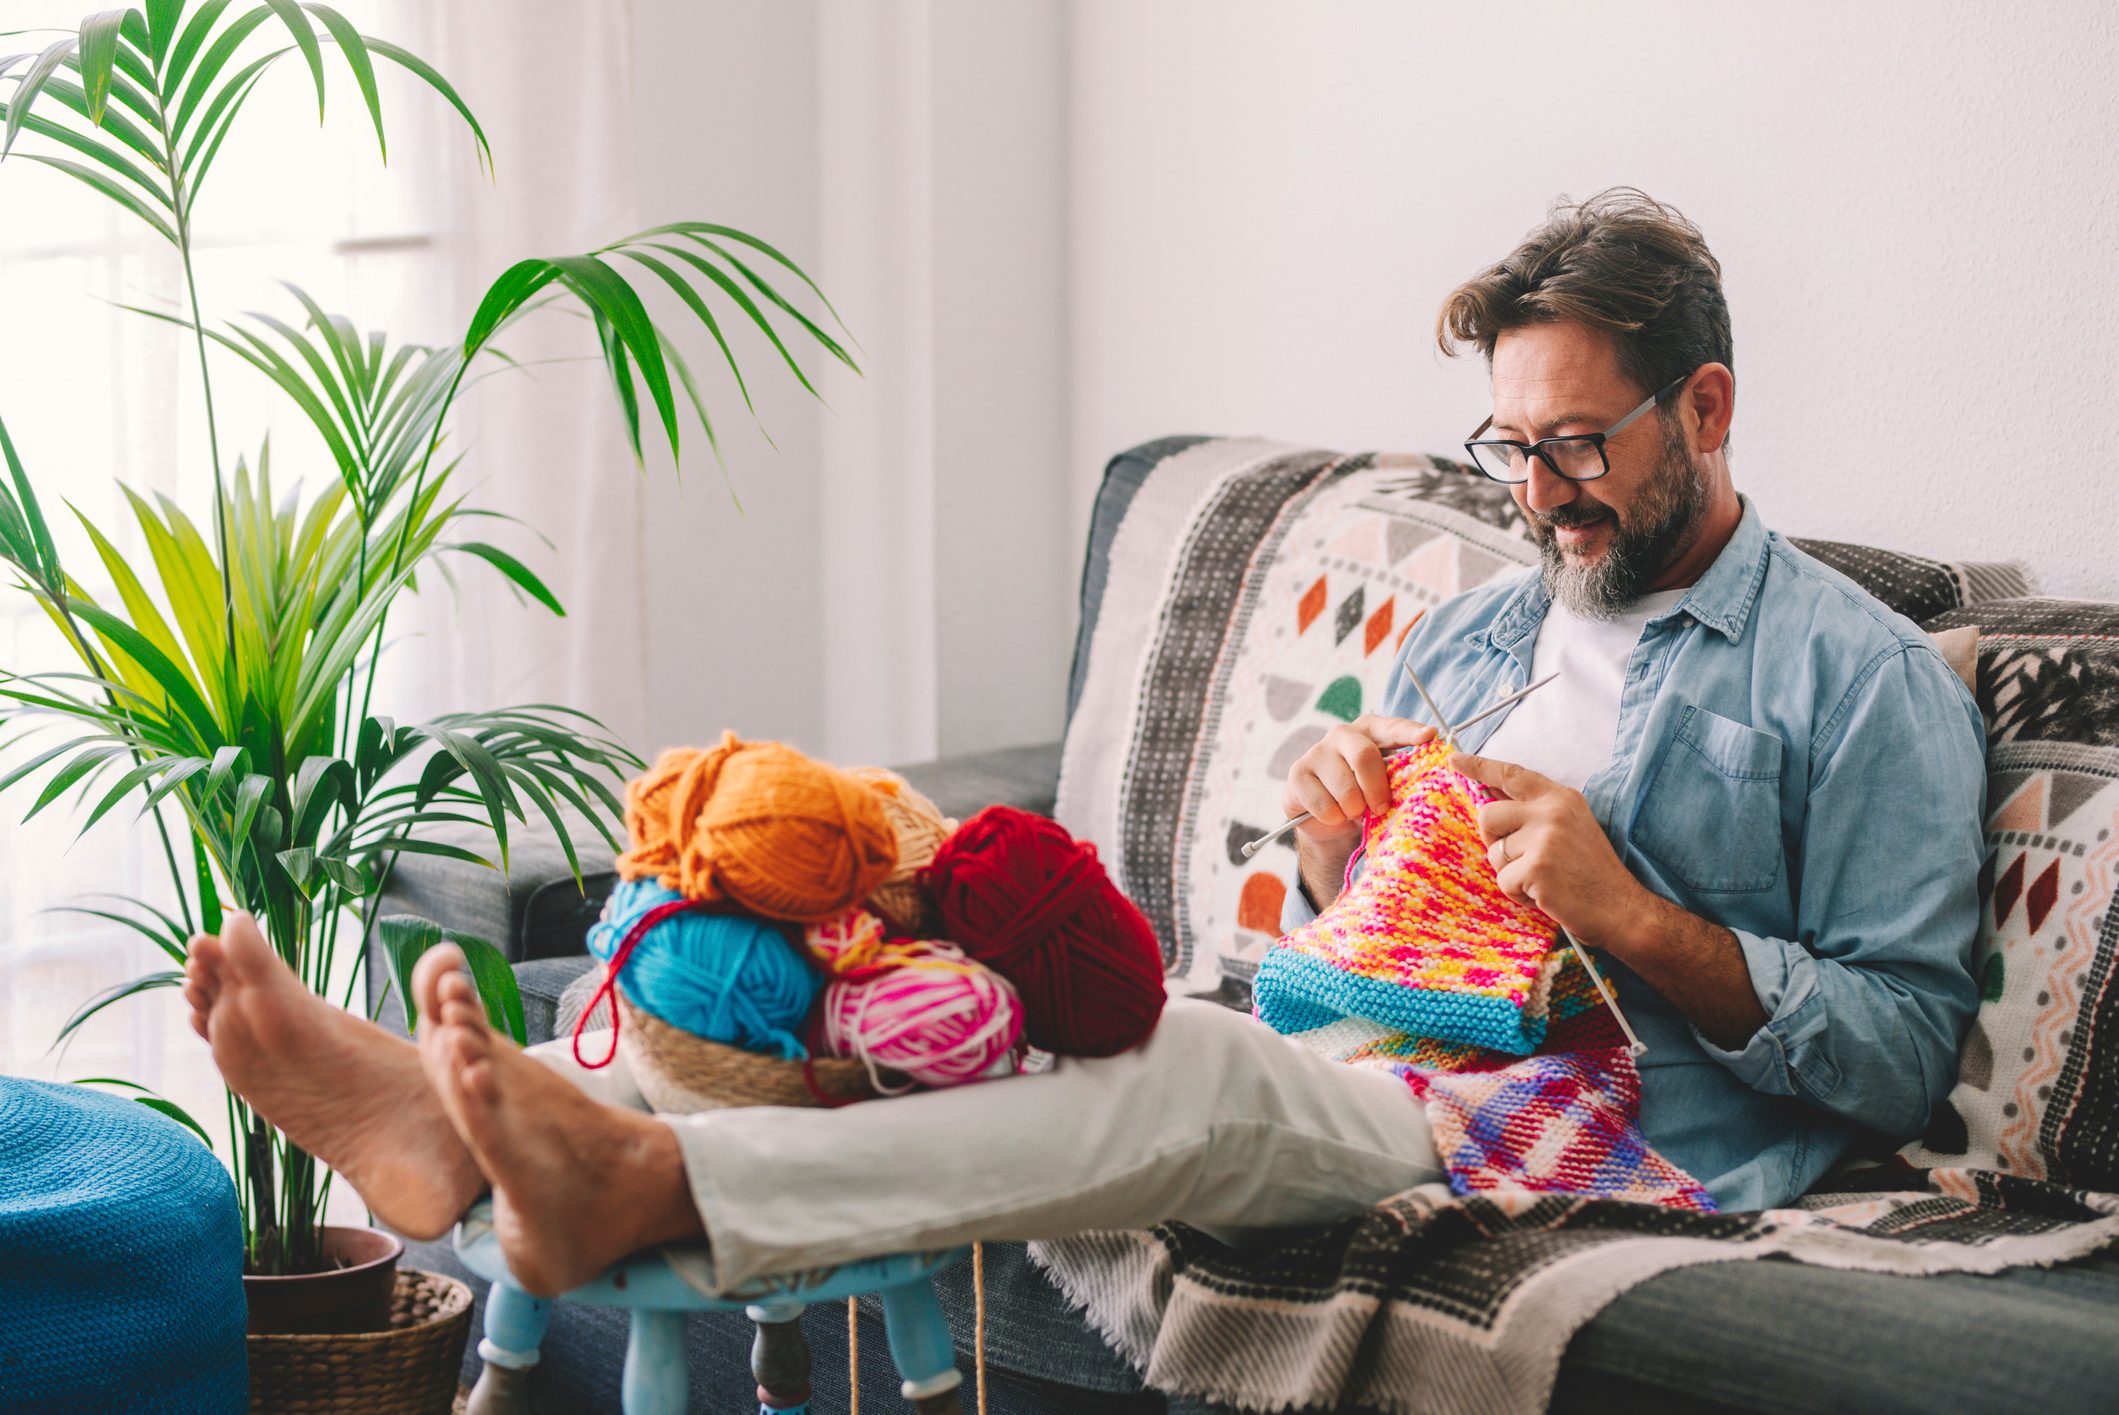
921 828
761 826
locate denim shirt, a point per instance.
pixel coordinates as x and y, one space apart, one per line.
1796 763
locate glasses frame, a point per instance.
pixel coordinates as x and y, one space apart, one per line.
1539 449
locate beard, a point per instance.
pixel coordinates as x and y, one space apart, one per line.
1648 538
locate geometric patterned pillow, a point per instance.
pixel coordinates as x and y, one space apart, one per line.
1252 595
1914 585
2037 1093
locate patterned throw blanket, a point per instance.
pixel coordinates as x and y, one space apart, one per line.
1433 1303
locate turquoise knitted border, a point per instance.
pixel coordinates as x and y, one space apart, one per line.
1295 992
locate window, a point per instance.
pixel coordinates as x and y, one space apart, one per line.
94 395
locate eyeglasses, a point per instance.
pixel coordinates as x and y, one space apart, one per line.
1577 458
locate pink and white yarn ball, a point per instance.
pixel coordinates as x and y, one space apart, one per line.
936 1017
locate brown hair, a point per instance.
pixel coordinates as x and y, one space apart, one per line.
1619 261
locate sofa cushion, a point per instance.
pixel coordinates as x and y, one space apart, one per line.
1240 597
1774 1336
2037 1091
534 909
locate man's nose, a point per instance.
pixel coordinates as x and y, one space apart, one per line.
1546 488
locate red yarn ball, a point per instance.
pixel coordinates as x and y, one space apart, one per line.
1021 895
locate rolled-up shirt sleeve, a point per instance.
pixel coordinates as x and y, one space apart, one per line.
1295 910
1867 1006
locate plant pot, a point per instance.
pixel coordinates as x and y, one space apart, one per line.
351 1296
410 1366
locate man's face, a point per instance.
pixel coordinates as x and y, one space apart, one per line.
1603 543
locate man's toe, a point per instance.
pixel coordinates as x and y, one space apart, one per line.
434 967
479 1081
243 946
460 1006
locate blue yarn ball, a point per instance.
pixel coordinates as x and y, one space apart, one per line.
726 977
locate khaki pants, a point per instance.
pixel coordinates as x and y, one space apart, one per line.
1217 1121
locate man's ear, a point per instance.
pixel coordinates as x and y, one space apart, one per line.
1713 397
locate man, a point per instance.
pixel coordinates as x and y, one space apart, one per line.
1754 789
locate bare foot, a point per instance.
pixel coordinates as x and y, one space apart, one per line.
337 1085
577 1184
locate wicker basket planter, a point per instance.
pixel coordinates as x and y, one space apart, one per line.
680 1073
411 1369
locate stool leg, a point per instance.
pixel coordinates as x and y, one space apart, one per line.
655 1378
515 1323
919 1343
779 1358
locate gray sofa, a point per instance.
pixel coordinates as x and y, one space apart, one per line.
1753 1336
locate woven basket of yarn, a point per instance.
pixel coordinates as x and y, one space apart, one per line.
921 828
680 1073
761 826
411 1369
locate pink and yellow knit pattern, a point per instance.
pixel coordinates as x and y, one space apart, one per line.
1424 941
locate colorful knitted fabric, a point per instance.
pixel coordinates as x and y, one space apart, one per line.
1425 941
1575 1019
1424 969
1566 1121
1553 1124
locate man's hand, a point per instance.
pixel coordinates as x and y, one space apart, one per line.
1548 850
1337 781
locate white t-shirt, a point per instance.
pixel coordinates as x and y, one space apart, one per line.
1567 729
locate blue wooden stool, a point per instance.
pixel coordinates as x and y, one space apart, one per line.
655 1377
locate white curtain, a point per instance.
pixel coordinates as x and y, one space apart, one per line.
551 81
93 396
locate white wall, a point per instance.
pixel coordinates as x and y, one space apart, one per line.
1915 202
726 117
902 581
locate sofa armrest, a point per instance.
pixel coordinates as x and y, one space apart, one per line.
1024 777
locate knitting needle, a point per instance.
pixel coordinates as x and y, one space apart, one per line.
1640 1048
1247 851
1582 955
1449 734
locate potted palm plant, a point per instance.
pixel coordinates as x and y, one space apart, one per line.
225 689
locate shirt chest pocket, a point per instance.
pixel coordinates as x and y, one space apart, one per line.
1711 814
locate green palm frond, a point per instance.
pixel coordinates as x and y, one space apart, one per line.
153 1100
378 408
690 258
150 98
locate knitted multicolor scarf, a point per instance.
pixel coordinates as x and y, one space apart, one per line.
1424 940
1424 968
